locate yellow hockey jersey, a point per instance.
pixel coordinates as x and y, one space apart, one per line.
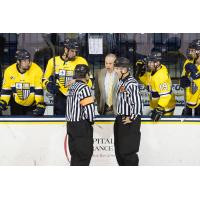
64 71
192 100
185 63
160 88
26 88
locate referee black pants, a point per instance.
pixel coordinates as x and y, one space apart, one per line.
80 142
127 141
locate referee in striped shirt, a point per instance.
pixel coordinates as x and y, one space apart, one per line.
80 117
128 120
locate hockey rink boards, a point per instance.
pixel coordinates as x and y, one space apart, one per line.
42 142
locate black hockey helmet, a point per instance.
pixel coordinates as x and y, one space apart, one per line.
195 44
122 62
81 71
155 56
71 44
22 54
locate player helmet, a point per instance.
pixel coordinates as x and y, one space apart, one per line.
155 56
22 54
195 44
71 44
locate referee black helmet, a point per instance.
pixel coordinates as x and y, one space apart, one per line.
122 62
81 71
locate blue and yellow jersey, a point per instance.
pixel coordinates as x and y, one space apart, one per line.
26 88
64 71
193 74
184 73
160 88
193 99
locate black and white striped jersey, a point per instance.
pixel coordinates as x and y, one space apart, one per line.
79 103
129 101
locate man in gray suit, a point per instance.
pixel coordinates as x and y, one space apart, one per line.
105 87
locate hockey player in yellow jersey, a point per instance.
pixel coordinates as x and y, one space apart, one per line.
58 79
155 76
190 80
22 87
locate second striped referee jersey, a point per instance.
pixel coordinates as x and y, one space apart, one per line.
129 101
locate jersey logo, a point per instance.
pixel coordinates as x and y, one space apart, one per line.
62 72
65 76
22 90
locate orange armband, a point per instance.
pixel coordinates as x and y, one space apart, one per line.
86 101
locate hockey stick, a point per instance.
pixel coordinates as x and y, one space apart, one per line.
52 47
49 43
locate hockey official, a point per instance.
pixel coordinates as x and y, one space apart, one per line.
80 117
128 120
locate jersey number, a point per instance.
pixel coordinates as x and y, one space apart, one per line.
163 86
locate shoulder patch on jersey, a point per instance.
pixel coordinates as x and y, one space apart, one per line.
86 101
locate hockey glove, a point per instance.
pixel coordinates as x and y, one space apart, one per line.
51 85
141 68
156 114
3 105
184 82
40 109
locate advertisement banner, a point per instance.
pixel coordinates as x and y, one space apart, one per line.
32 141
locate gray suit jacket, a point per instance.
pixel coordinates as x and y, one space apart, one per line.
100 94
